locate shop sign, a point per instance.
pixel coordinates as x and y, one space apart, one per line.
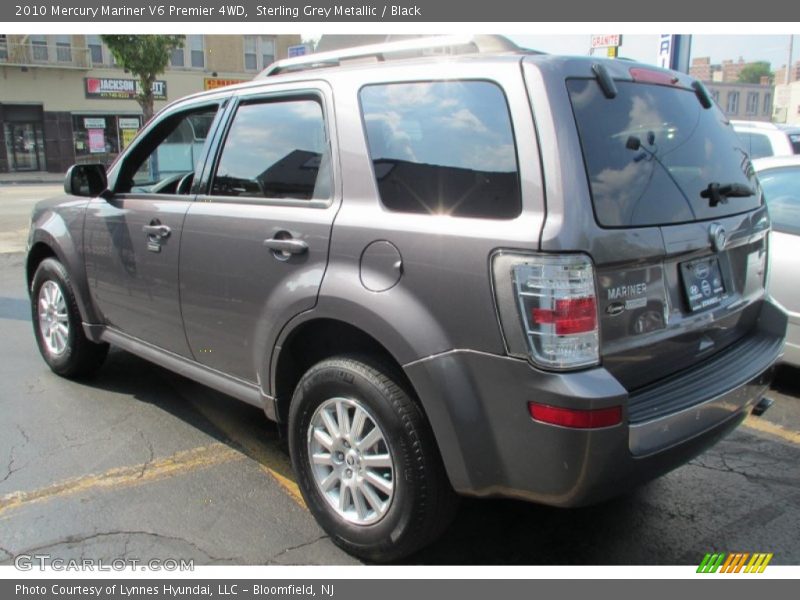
212 83
94 123
128 123
97 140
120 89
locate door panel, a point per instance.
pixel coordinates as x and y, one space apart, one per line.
236 291
133 275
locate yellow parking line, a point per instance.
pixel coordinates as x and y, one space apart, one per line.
179 463
763 426
270 458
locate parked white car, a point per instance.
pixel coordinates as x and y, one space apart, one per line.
780 178
768 139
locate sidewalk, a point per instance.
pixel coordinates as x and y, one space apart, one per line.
31 177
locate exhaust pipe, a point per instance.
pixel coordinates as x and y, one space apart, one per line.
762 406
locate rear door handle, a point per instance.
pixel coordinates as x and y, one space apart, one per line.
286 246
159 231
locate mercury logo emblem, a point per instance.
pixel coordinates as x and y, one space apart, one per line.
718 237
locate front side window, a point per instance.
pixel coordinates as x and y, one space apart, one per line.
443 148
276 150
783 198
168 154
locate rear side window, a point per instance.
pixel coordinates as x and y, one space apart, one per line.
794 140
651 151
782 193
275 150
443 148
756 144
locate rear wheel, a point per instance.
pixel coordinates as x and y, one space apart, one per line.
366 460
57 323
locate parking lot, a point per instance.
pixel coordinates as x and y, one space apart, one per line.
140 463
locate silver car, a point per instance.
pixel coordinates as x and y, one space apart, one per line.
780 179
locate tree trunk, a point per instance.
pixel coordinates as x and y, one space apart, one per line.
145 98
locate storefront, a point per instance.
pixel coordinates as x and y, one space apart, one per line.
99 137
23 135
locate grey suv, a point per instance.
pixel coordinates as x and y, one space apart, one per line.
492 274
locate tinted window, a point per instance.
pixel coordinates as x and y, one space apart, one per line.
756 144
275 150
794 139
652 150
443 148
782 193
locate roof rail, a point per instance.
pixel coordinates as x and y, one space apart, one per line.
425 46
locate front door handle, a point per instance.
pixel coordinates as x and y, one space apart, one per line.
286 246
158 231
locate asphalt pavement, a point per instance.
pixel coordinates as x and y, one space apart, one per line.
140 463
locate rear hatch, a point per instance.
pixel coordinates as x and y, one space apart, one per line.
678 234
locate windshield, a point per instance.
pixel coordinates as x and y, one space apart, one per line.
652 152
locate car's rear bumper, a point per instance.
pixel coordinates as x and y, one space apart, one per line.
478 406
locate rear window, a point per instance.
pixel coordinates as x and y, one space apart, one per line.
651 151
442 148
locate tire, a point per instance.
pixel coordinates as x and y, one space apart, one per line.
390 508
58 326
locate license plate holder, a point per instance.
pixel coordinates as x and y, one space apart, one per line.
703 284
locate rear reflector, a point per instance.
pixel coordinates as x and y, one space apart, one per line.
574 418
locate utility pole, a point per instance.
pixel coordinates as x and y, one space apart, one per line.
787 79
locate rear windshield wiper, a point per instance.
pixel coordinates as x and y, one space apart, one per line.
718 193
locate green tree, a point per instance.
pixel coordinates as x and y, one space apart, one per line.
145 56
753 72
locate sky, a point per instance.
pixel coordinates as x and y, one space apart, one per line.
771 48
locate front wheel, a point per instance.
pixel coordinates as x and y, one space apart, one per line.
57 323
366 460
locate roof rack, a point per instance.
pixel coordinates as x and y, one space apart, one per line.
426 46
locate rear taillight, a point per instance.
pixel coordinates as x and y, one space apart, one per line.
555 306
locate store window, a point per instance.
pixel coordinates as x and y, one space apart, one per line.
259 52
3 47
98 138
767 104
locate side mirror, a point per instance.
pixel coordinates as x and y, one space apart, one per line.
86 180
